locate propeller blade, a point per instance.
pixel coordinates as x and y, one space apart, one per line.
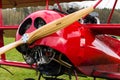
10 46
58 24
48 29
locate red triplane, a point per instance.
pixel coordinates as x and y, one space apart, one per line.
56 43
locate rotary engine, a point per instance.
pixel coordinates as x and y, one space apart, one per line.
48 61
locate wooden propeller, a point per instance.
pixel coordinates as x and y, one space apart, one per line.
48 29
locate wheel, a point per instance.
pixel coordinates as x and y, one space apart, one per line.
53 79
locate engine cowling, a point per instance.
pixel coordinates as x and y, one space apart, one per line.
48 60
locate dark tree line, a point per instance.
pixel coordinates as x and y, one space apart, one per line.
15 16
104 14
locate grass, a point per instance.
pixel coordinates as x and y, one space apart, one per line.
18 73
21 73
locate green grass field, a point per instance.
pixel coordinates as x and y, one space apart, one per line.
22 73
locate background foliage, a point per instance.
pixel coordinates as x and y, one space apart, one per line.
15 16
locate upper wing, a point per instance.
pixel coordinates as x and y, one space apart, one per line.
25 3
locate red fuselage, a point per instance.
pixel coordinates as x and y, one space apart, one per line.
77 42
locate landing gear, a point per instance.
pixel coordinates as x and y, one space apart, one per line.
94 78
48 78
53 79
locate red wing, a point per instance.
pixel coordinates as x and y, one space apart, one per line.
113 29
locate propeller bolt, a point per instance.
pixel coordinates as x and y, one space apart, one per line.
25 38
